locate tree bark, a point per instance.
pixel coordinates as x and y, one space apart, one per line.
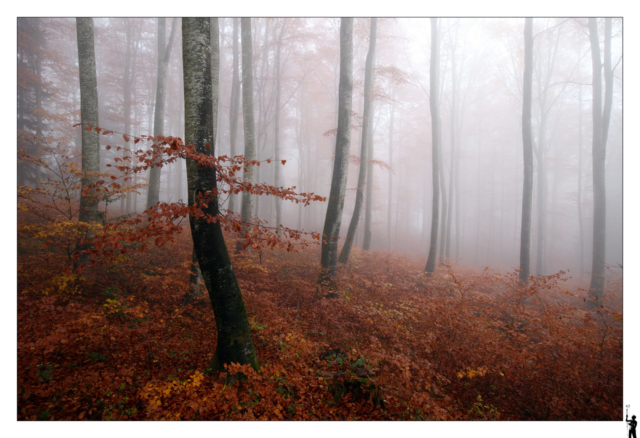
392 113
88 117
333 218
234 343
235 105
367 122
599 148
247 113
434 87
527 193
164 53
278 201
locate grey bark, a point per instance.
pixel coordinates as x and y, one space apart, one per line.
278 201
527 193
390 176
164 53
235 105
367 123
247 113
580 224
368 211
88 117
333 218
434 104
599 145
234 341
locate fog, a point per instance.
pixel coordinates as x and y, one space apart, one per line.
480 108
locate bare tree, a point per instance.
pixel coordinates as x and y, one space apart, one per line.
234 343
88 118
164 53
333 219
247 113
367 123
434 86
527 193
601 121
235 104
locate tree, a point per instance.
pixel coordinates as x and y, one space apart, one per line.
195 278
527 191
164 53
601 121
247 113
277 127
88 118
367 122
234 343
333 218
434 84
235 104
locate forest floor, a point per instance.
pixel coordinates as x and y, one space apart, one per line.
117 344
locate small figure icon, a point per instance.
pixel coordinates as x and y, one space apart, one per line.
632 426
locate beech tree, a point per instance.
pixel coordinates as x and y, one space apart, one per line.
333 218
434 86
164 53
247 114
601 119
88 119
235 105
527 191
364 149
234 343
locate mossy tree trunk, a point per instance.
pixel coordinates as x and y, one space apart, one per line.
234 341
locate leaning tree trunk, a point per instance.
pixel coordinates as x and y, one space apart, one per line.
390 176
195 279
364 146
234 343
164 52
333 218
434 84
527 191
235 106
88 118
247 113
599 148
368 206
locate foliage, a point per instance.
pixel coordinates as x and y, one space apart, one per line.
395 345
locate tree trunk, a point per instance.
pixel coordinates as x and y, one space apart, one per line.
247 113
234 343
434 84
278 201
368 212
580 225
235 106
599 145
333 219
527 192
367 122
164 52
452 167
88 117
390 177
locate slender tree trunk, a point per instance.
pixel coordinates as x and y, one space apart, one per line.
390 177
443 211
278 201
600 131
249 124
434 86
234 343
368 212
333 219
580 224
541 193
235 106
89 118
164 52
527 193
452 168
367 122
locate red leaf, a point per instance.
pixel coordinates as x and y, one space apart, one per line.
126 137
